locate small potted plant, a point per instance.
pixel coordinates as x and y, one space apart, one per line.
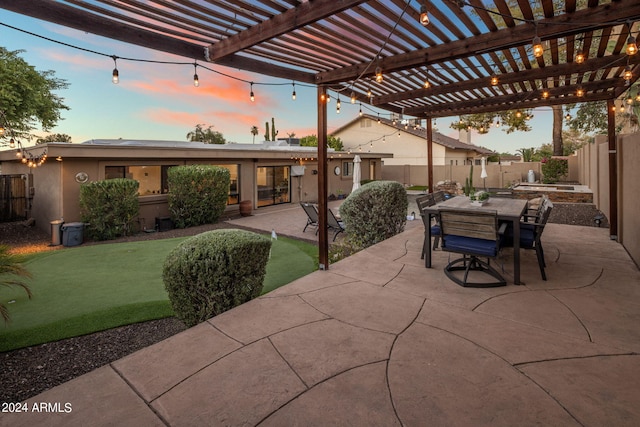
479 198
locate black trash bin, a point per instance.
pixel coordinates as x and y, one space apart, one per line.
72 233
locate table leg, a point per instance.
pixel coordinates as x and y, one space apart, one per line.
427 240
516 251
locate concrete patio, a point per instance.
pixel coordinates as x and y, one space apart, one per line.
380 340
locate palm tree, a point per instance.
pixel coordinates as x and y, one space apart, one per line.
11 264
254 132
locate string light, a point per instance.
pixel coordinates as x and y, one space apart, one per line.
353 97
252 97
196 80
580 92
338 105
379 76
424 15
621 108
628 75
568 117
538 50
545 94
426 85
494 80
629 100
293 94
369 94
115 75
360 112
638 97
579 57
518 114
632 47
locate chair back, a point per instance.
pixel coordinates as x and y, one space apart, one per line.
438 196
470 232
332 221
424 202
545 209
311 212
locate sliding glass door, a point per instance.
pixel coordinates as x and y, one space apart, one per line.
273 185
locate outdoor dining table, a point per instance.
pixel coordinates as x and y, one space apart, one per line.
507 210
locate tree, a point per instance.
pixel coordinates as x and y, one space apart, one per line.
54 137
254 133
208 135
27 96
511 120
312 141
526 154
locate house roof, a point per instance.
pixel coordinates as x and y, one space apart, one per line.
341 44
405 127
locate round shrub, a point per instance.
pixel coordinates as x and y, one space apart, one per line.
375 212
215 271
198 194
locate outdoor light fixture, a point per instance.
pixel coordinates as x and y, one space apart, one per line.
115 76
379 76
424 15
579 57
494 80
353 97
638 97
196 80
629 100
621 108
628 75
518 114
632 47
378 118
369 94
360 112
545 94
338 105
252 97
580 92
12 143
427 85
538 50
567 117
293 94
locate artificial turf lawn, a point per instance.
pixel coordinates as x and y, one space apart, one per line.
81 290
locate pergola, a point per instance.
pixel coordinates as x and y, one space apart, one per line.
478 56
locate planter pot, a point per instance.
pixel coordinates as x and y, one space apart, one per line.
245 208
476 203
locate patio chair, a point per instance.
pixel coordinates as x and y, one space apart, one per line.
334 224
531 233
439 196
424 202
475 235
312 215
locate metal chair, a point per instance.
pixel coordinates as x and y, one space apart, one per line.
475 235
312 215
424 202
334 224
531 233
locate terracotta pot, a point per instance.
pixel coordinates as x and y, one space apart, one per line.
245 208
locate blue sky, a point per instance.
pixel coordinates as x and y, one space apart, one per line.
159 101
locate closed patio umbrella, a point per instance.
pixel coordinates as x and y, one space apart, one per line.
357 173
483 174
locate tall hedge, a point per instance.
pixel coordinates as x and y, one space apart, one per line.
109 208
198 194
215 271
375 212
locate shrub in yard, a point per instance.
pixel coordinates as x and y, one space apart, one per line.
375 212
198 194
109 208
10 266
215 271
554 169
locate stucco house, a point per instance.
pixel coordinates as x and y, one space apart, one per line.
266 174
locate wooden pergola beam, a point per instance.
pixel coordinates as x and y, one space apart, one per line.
521 35
292 19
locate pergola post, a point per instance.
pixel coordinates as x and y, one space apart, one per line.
323 235
430 155
613 170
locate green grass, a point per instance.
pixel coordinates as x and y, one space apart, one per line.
86 289
418 187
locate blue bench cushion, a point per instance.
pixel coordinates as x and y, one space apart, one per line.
470 245
435 230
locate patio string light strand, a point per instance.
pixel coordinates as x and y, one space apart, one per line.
26 156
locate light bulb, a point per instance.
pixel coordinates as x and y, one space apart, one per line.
338 106
538 50
629 100
494 81
632 47
545 94
518 114
579 58
580 92
360 112
12 143
424 15
621 108
638 97
379 76
353 97
115 76
252 96
568 117
369 94
427 85
196 80
293 94
628 75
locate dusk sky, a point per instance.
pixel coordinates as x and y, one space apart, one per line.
159 101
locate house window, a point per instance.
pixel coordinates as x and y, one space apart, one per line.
152 179
347 168
234 187
365 123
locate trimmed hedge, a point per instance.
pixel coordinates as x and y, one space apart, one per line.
375 212
198 194
109 208
215 271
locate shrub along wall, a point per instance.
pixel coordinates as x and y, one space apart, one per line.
215 271
109 208
198 194
375 212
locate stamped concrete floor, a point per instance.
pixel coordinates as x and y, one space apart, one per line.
378 340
